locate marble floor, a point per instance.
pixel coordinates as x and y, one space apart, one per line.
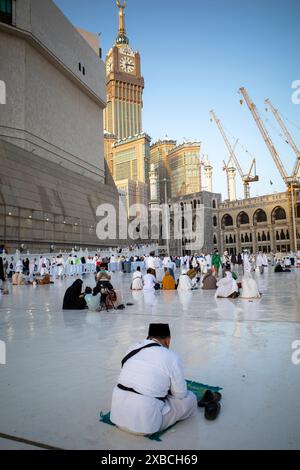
61 366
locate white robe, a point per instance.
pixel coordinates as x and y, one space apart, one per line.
152 372
249 287
259 261
226 286
185 283
149 282
246 263
137 281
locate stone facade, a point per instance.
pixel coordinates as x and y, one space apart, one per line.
55 89
53 173
42 205
260 223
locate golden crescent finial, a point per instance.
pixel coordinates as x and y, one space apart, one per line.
120 5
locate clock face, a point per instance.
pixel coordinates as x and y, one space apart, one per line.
109 65
127 64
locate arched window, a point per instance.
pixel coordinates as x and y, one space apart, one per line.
214 204
268 236
298 211
242 238
234 238
277 235
227 221
251 237
226 239
230 239
246 238
215 221
242 219
263 237
278 214
259 216
258 237
282 235
287 235
215 240
6 11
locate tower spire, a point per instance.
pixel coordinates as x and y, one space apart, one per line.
122 38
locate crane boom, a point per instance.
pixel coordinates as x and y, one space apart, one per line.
265 134
287 134
227 143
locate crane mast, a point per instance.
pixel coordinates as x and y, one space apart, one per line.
288 136
247 179
292 182
264 134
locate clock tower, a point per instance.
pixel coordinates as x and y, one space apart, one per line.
124 85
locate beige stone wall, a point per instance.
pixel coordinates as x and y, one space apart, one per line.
41 205
238 236
52 109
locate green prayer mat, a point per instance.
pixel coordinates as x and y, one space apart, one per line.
197 388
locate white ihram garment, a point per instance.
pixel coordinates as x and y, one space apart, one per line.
149 282
226 286
137 281
249 287
185 283
152 372
246 263
259 261
150 263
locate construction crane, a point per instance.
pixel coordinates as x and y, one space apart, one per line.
246 178
292 182
289 138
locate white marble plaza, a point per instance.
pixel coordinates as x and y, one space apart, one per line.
61 366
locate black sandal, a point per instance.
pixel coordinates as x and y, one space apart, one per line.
212 410
208 397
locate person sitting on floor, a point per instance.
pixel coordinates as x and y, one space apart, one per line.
280 269
149 281
18 279
109 297
227 286
249 287
168 282
137 280
184 282
209 281
44 280
151 394
92 301
73 298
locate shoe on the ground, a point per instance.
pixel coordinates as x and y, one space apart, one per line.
212 410
208 397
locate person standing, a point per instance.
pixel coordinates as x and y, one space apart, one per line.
216 262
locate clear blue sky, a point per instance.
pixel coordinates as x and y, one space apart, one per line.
195 55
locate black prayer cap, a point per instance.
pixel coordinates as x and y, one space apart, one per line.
159 330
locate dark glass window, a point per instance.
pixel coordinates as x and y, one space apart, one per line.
83 70
6 11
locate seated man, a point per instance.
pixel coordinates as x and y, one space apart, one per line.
184 282
151 394
209 281
227 286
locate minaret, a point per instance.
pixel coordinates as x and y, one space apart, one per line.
208 172
231 172
153 178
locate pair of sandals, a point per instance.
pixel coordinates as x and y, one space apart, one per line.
211 402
